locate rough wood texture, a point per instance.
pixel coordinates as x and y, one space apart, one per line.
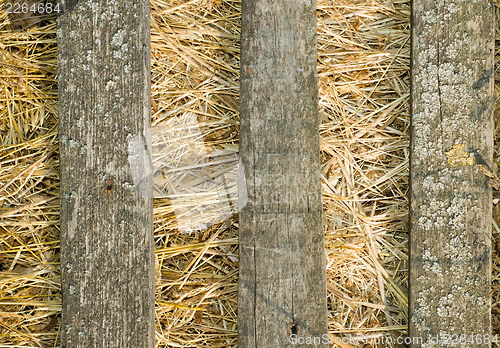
450 206
106 191
282 283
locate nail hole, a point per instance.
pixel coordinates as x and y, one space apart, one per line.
109 186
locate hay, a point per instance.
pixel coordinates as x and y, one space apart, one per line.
195 72
363 53
29 185
363 67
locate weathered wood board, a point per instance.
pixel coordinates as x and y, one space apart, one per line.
107 251
282 278
450 200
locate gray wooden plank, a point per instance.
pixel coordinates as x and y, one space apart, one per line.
107 249
450 200
282 278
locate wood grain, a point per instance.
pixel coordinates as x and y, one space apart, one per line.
450 199
107 249
282 278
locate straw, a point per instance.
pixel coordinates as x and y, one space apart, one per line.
363 69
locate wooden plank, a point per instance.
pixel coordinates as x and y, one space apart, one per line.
282 279
450 200
107 250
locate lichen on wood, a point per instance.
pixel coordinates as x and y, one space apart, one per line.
450 204
107 251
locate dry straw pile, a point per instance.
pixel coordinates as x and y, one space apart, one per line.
363 67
